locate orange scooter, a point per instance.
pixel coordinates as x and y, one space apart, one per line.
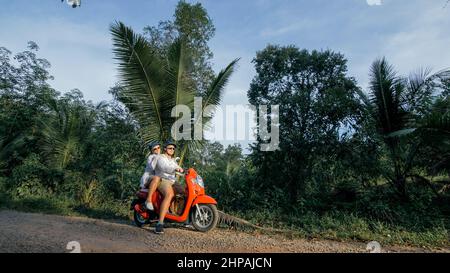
192 207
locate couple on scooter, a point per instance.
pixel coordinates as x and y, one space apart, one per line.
160 175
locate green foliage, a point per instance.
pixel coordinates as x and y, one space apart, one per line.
192 24
24 94
346 227
66 130
317 104
31 188
398 105
32 179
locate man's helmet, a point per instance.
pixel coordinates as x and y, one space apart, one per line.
170 142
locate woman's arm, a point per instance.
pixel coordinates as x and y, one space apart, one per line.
152 161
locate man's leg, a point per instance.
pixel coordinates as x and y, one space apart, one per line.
151 190
168 196
168 193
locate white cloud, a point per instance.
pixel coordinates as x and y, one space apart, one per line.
426 42
297 25
409 34
374 2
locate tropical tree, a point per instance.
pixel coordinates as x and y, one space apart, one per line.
24 93
192 24
402 110
154 85
317 105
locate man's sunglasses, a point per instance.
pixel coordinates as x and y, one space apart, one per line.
156 148
171 148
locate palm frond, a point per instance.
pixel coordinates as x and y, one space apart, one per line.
418 78
437 121
214 94
142 75
178 80
212 98
9 145
65 131
179 87
387 90
402 132
423 87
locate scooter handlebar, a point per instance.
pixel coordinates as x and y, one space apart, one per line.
185 171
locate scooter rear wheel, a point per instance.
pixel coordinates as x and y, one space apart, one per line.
138 219
205 218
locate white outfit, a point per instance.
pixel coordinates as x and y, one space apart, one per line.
149 170
165 167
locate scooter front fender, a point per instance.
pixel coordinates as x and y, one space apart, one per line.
204 199
134 203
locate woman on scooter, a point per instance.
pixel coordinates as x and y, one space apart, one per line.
165 169
149 172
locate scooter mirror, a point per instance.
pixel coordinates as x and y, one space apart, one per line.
177 159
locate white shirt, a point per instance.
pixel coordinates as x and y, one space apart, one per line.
165 167
149 170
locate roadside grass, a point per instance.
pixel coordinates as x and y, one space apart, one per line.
66 207
339 226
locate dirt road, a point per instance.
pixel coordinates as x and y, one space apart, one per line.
28 232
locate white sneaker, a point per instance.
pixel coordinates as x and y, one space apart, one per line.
149 206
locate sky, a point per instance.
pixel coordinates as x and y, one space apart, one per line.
409 33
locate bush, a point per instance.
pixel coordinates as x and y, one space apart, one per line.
418 214
31 172
31 188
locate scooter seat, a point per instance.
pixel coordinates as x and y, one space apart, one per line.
142 194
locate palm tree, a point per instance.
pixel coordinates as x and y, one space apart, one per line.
65 132
152 85
401 109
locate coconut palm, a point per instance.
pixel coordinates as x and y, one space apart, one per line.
401 110
153 85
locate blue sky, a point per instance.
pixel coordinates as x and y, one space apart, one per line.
410 33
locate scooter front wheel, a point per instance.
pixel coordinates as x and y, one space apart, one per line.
204 217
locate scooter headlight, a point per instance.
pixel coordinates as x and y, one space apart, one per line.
199 181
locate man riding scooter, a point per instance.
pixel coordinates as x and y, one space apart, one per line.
193 207
163 180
